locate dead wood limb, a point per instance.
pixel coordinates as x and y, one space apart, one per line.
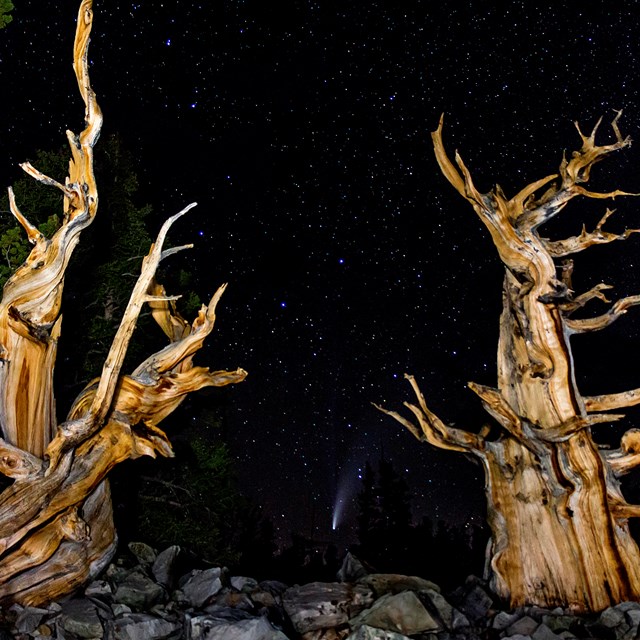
575 244
610 401
432 429
587 325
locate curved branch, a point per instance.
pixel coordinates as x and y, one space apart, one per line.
432 429
586 325
72 432
575 244
584 298
607 402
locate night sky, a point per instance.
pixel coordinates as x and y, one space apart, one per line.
301 128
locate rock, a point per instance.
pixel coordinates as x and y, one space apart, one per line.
274 587
142 626
436 603
371 633
320 605
211 628
612 617
229 614
144 554
80 617
138 592
29 619
99 589
351 570
524 626
383 583
503 620
120 609
558 622
400 612
476 603
163 568
242 583
544 633
263 599
202 585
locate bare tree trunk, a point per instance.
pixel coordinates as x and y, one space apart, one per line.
56 525
558 520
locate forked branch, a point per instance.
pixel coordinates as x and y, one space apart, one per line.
431 429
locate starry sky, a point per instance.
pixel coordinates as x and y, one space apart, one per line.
301 127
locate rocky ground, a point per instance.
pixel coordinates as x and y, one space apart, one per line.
143 596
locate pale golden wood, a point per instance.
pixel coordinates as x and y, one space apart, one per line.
558 520
56 524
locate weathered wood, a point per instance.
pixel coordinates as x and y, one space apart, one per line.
558 519
56 524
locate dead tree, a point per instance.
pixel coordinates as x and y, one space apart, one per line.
559 522
56 526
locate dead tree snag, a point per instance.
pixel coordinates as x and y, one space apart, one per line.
558 519
56 526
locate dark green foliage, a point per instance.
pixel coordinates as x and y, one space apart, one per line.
5 7
193 500
41 205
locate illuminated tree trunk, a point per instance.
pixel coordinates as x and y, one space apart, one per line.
558 520
56 526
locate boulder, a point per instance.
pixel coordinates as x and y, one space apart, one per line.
211 628
144 554
163 568
321 605
138 592
29 619
400 613
351 570
371 633
80 617
242 583
476 603
142 626
383 583
200 586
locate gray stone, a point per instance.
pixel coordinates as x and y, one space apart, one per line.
227 613
440 605
460 621
80 617
138 592
99 589
518 636
274 587
141 626
29 619
202 585
263 599
503 620
120 609
320 605
144 554
544 633
611 617
524 626
163 568
351 570
476 603
400 612
383 583
558 623
242 583
210 628
371 633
